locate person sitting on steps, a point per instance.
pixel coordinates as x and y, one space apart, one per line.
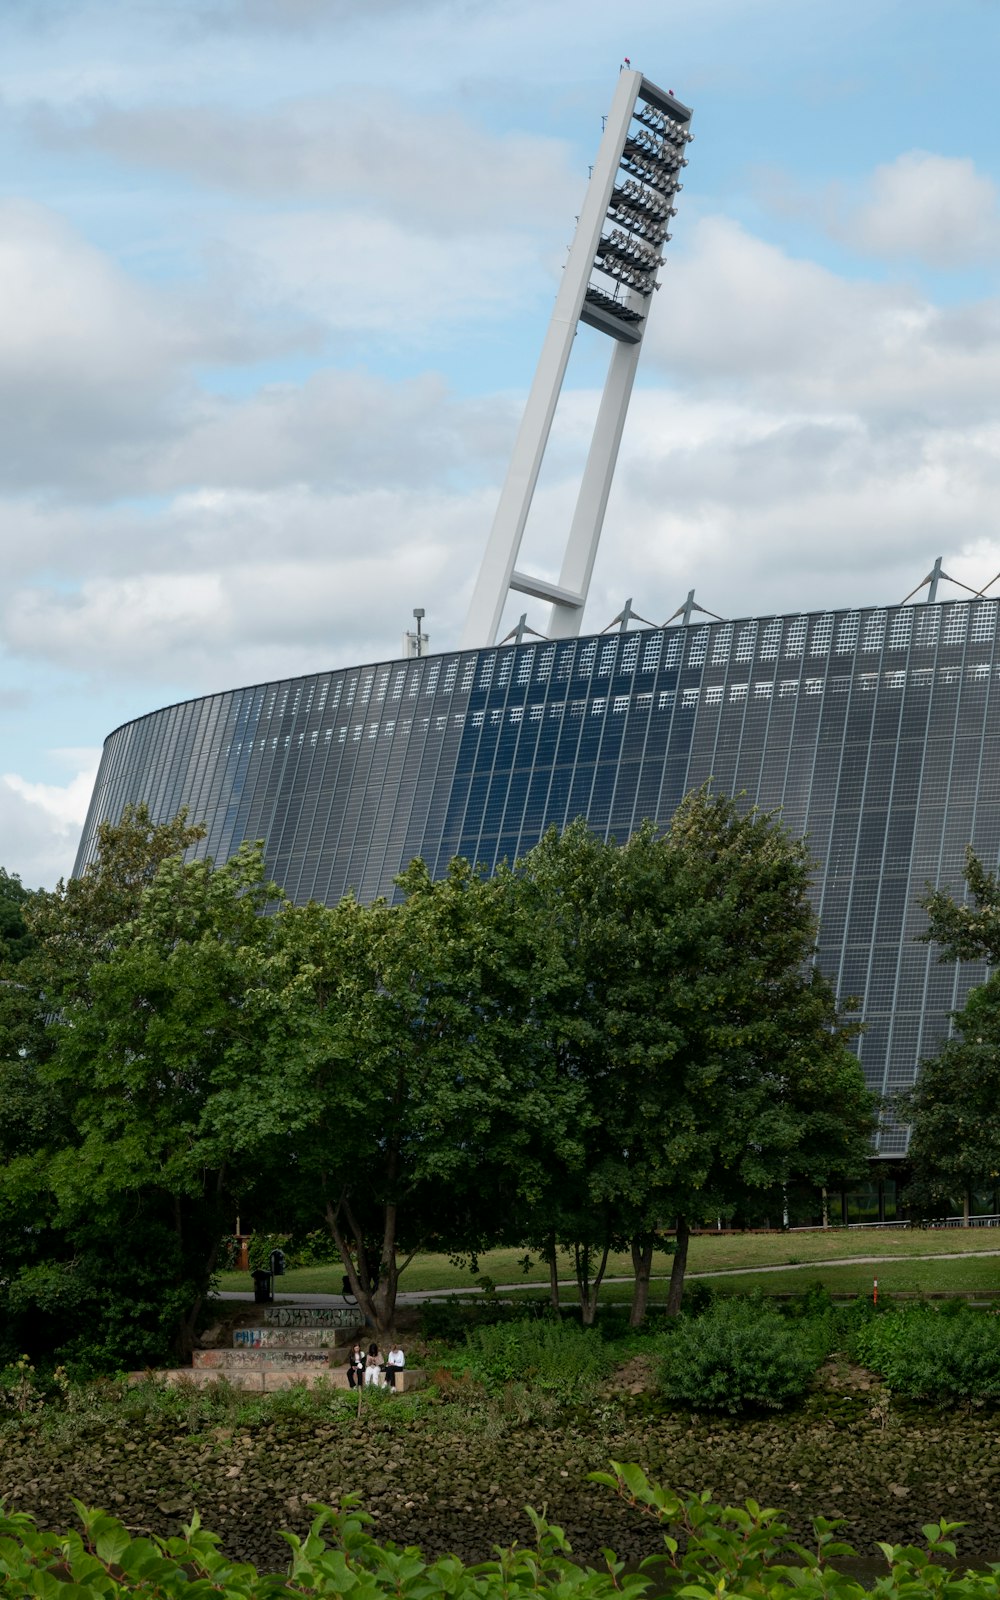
373 1367
395 1362
356 1367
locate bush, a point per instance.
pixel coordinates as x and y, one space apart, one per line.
698 1296
740 1354
446 1320
261 1245
557 1357
931 1353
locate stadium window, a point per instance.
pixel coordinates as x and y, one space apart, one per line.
902 627
771 642
721 645
956 624
746 642
698 648
847 633
652 650
874 635
674 648
795 638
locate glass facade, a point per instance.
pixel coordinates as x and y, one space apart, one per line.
876 732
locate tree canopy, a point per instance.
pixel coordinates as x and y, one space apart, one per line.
583 1050
954 1108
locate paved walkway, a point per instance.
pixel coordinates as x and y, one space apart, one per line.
415 1297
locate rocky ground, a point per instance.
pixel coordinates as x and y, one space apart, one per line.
449 1476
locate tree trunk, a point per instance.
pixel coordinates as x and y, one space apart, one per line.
589 1288
678 1268
965 1208
552 1254
642 1266
377 1305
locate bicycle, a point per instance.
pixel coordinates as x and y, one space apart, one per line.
347 1293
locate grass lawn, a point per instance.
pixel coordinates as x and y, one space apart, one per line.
726 1253
919 1274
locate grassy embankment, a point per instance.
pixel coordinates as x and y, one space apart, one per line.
735 1263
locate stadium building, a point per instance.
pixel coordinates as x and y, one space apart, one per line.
876 731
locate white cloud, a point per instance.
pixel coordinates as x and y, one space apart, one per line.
280 583
94 365
742 316
40 823
435 171
931 208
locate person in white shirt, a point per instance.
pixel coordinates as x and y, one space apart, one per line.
395 1363
373 1367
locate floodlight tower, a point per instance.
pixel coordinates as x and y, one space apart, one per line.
608 283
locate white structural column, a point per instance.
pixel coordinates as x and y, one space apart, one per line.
595 486
493 584
631 190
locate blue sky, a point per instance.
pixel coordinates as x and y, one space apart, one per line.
274 275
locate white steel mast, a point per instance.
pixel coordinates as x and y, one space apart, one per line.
607 283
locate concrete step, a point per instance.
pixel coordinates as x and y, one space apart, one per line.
258 1360
312 1317
265 1380
268 1338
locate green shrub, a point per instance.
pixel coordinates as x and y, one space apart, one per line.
933 1353
261 1245
558 1357
446 1320
740 1354
814 1301
697 1298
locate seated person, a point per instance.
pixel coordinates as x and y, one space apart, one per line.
395 1363
356 1367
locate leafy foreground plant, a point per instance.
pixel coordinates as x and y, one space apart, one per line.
709 1551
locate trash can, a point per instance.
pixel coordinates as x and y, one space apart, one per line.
263 1293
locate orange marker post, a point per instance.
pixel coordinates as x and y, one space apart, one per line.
875 1292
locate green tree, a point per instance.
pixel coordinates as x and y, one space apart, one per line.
967 929
954 1111
954 1108
403 1072
15 940
79 1271
715 1063
161 1029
